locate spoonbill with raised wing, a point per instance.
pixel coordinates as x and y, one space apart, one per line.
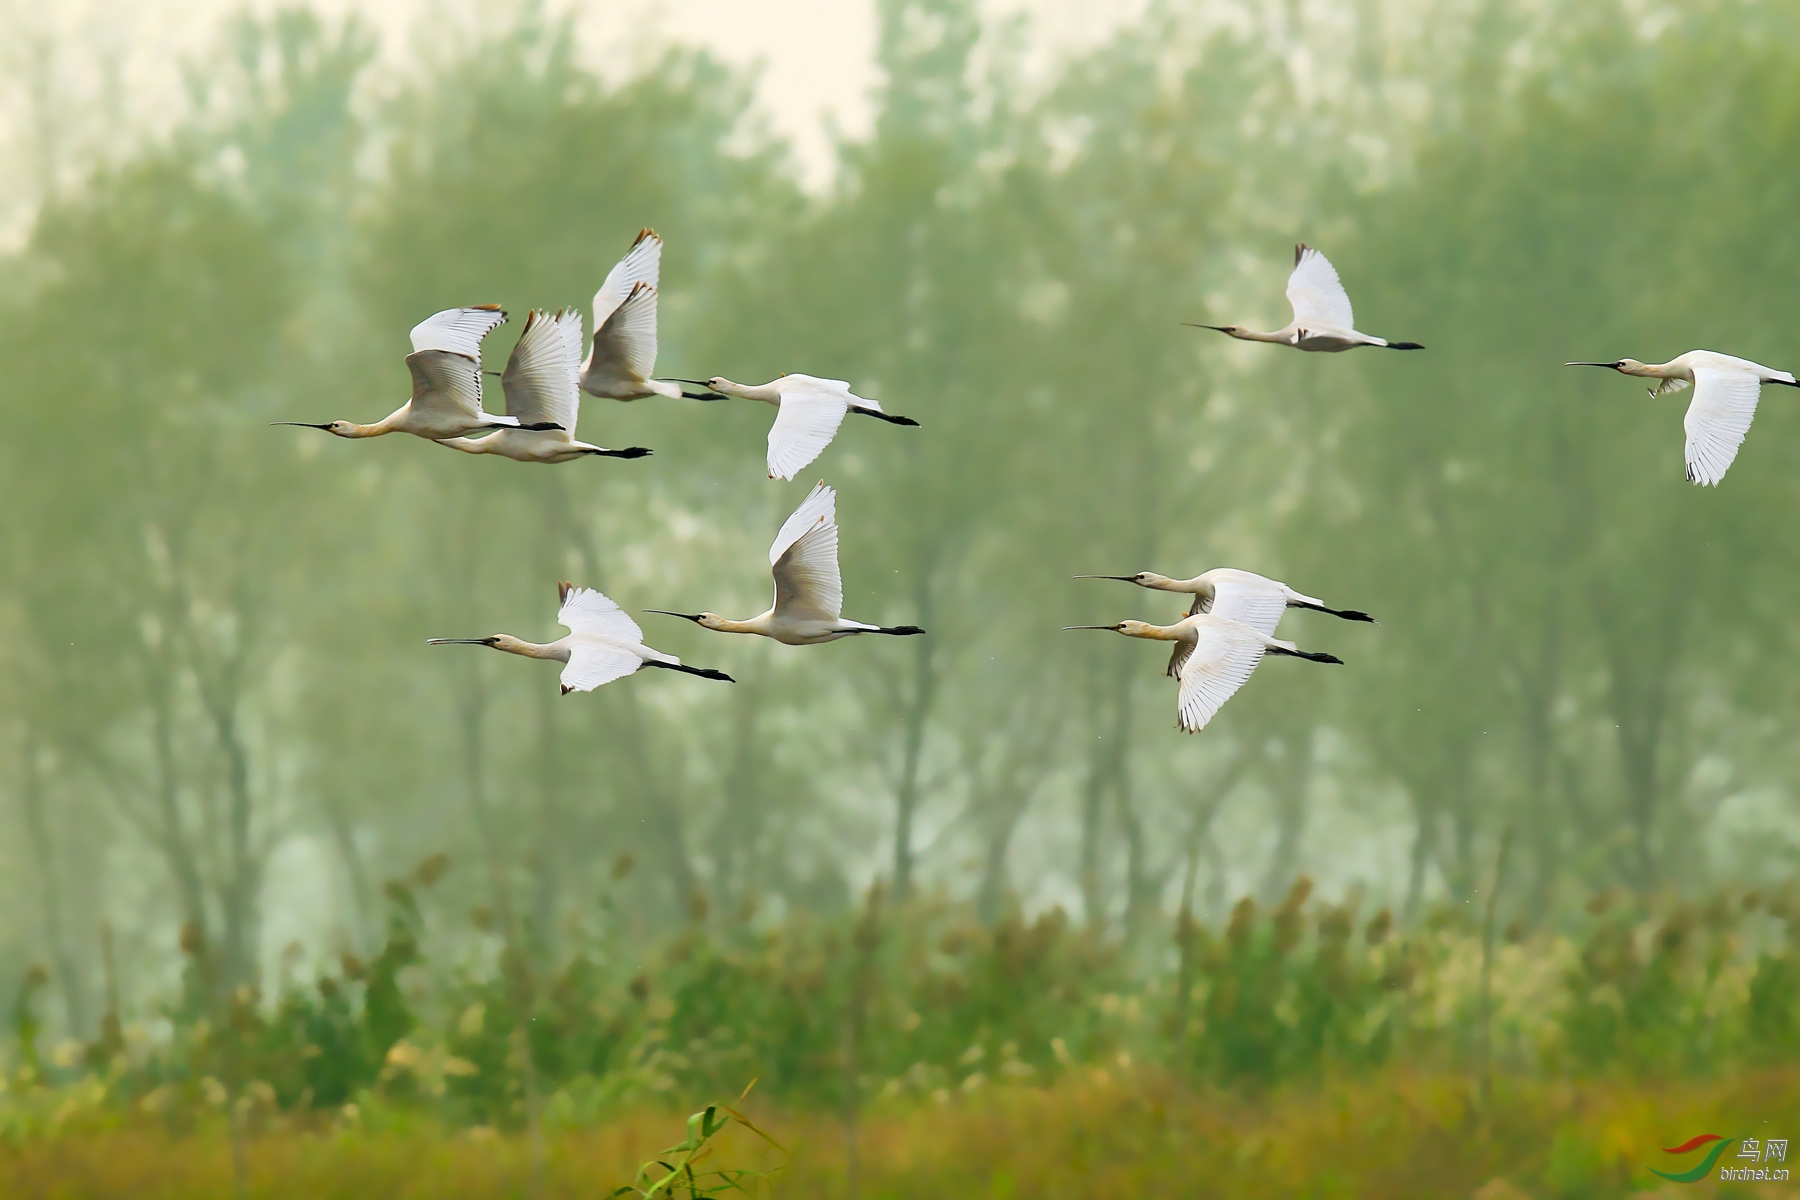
446 381
622 356
540 382
1216 657
1322 320
809 411
603 643
809 592
1725 394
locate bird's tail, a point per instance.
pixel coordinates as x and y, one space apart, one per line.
1348 614
896 630
628 452
1786 379
1289 650
1403 345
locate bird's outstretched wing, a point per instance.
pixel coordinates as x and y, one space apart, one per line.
1717 419
1314 290
458 330
1255 601
641 264
1222 659
446 360
540 380
810 413
625 347
586 611
804 559
591 665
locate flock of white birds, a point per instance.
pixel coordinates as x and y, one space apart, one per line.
1229 627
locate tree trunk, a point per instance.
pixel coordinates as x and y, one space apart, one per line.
37 827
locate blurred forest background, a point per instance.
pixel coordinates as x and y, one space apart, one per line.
247 812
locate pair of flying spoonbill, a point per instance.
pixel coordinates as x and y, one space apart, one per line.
604 644
808 409
1228 629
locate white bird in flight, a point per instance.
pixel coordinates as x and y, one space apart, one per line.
809 411
603 643
1216 657
809 592
1256 600
1724 404
446 379
622 357
542 396
1322 318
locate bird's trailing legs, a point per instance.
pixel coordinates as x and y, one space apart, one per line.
709 394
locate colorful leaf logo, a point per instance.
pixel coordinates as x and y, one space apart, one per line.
1697 1173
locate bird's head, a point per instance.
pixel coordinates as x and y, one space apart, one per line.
705 620
1119 627
499 641
1625 366
341 429
1147 579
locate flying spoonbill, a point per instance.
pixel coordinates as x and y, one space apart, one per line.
1216 657
1724 404
809 593
446 379
603 643
623 355
809 411
1257 601
1322 318
542 393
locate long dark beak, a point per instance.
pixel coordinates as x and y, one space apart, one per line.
486 641
1113 628
1120 578
708 394
1197 325
1611 366
302 424
665 612
696 382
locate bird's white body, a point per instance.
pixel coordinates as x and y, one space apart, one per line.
541 386
809 590
809 411
1726 390
446 379
1215 655
1323 320
603 643
622 355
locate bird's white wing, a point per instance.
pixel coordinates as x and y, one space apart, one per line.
641 264
1315 292
811 411
1222 659
1719 416
541 377
444 381
625 347
1260 606
586 611
458 330
804 559
594 663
